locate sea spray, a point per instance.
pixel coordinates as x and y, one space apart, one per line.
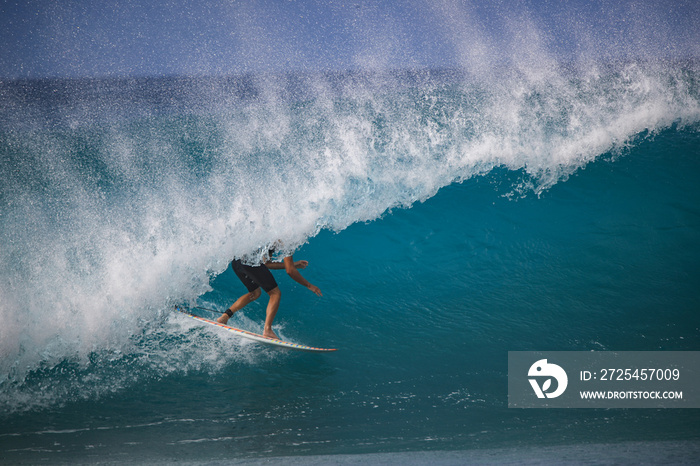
116 207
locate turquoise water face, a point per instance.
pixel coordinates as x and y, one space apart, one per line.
424 305
519 252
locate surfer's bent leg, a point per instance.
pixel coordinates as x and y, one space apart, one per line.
272 306
253 277
240 303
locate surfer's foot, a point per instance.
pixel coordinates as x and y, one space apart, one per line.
223 319
270 334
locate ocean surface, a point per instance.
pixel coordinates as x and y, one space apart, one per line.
447 219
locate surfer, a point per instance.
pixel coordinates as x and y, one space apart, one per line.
259 276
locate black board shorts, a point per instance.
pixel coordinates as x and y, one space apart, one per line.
254 276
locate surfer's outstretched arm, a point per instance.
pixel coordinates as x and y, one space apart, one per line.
291 268
280 265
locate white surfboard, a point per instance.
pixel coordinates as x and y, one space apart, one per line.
254 336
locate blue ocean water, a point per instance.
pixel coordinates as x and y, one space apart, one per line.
446 219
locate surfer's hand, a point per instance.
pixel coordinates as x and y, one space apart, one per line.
316 290
301 264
